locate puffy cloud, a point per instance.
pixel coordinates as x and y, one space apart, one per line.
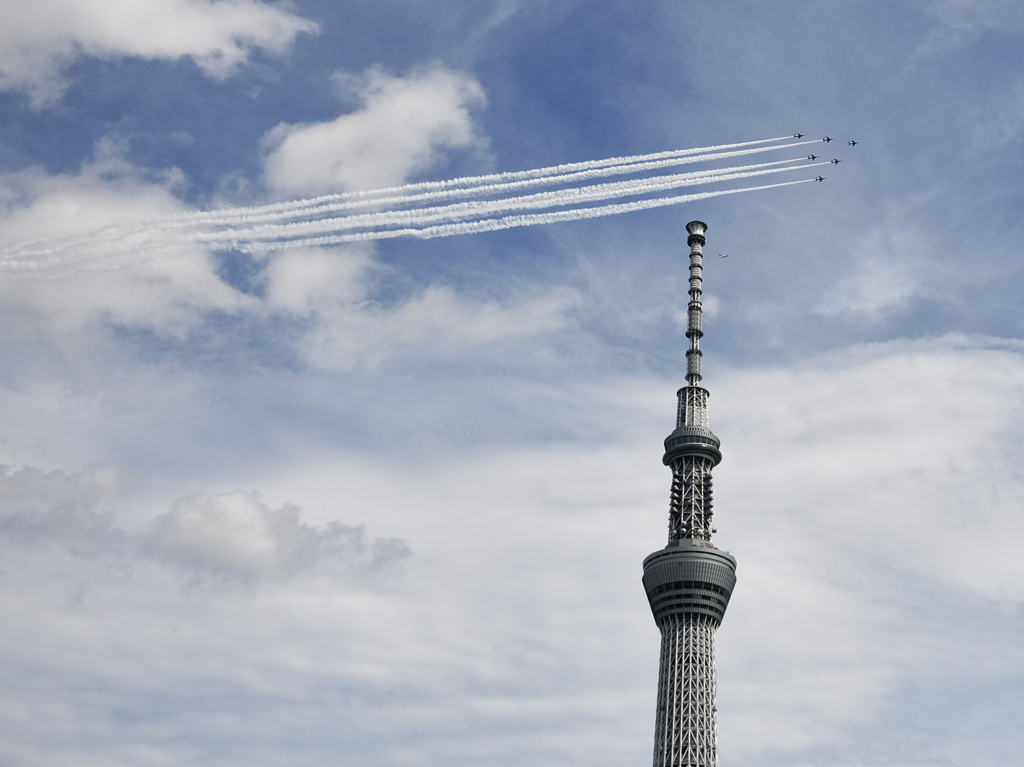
332 291
234 536
168 295
40 37
304 280
335 287
399 130
238 534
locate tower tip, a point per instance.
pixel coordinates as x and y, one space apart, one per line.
696 230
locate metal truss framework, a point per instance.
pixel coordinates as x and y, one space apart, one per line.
690 511
686 730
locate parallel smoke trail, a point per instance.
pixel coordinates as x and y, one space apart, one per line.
304 208
292 224
318 205
507 222
145 242
574 196
501 178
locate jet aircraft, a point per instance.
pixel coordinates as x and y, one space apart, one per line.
851 142
836 162
798 135
812 157
821 178
827 139
723 256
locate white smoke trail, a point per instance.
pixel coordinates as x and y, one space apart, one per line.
80 247
148 245
317 205
501 178
304 208
146 249
476 209
506 222
118 245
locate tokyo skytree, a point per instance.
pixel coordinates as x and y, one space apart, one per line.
689 582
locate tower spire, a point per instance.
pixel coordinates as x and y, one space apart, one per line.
694 311
689 582
692 450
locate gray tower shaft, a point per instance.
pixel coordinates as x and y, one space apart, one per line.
690 581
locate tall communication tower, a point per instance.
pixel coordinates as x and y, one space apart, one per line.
689 582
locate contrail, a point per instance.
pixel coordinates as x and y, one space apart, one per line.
506 177
306 208
149 244
325 205
472 204
574 196
507 222
130 237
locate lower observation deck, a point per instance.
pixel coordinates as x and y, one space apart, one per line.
689 577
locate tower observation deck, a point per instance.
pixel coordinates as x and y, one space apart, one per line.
689 582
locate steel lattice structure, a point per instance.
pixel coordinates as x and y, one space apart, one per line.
689 582
686 727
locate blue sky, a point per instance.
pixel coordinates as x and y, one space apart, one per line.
386 503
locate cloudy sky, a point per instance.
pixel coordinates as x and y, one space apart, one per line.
386 503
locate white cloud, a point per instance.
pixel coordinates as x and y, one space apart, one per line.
302 280
168 294
234 535
436 322
871 497
238 534
335 288
886 268
961 22
42 490
520 627
38 38
400 129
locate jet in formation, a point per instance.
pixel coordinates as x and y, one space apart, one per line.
851 142
798 135
812 157
820 178
836 162
827 139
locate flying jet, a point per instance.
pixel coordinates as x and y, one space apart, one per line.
821 178
723 256
836 162
851 142
798 135
812 157
827 139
